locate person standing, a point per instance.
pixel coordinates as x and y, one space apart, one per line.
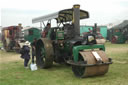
25 53
33 45
90 31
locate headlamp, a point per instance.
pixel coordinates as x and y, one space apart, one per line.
90 38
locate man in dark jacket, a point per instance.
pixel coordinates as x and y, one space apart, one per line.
33 45
25 54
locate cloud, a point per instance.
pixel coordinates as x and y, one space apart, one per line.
101 11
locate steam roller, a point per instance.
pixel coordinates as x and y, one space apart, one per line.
90 62
65 44
86 61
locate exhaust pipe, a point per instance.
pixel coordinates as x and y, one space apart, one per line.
76 19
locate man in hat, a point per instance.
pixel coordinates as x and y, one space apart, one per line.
25 53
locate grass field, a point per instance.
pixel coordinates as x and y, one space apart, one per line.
12 71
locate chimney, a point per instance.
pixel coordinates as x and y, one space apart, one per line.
76 19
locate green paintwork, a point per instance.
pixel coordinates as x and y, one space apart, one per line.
103 31
76 49
49 33
66 47
120 38
36 33
60 35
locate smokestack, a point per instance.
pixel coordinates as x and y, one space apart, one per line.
95 25
76 19
20 25
95 28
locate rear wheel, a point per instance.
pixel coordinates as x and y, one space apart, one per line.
44 53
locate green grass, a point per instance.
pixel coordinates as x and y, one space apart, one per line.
13 73
119 52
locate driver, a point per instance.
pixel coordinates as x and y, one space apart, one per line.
46 29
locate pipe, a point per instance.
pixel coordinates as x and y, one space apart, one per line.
76 19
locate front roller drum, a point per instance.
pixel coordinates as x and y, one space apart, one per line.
89 66
44 53
85 71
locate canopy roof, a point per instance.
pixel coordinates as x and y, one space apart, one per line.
61 16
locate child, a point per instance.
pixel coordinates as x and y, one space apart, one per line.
25 53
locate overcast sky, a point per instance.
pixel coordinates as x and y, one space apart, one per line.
102 12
